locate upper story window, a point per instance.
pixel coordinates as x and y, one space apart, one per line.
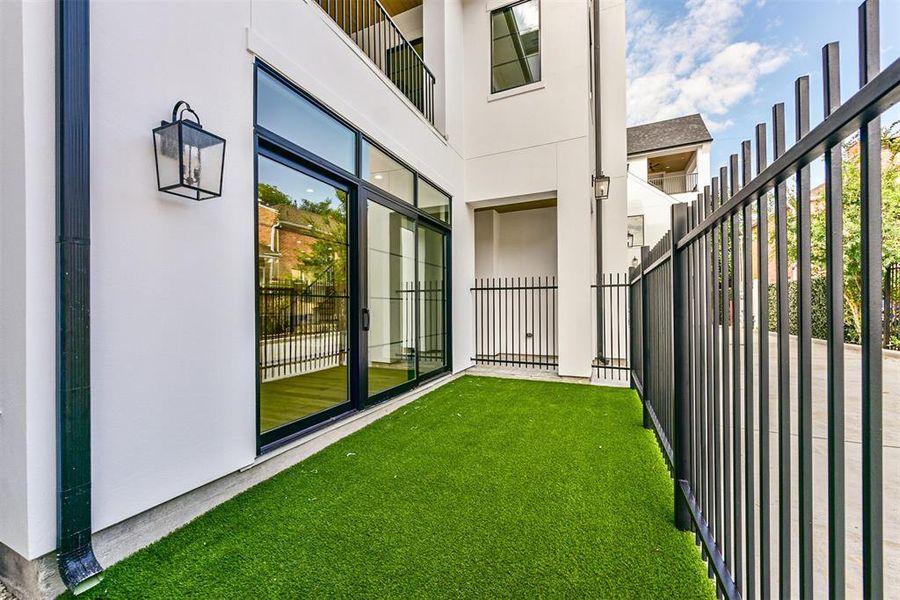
291 121
380 169
434 202
296 119
515 45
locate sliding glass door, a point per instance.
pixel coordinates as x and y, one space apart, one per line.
302 296
352 249
431 277
405 318
391 308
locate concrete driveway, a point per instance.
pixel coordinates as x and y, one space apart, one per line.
853 476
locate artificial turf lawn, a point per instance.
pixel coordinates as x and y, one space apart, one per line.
483 488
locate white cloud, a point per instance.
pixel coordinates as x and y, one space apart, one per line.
694 62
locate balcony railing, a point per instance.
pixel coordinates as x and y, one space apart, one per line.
674 184
370 26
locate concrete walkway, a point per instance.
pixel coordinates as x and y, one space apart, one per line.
514 372
853 474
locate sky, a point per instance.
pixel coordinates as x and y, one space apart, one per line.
731 60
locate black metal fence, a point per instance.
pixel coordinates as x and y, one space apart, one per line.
612 337
892 307
302 327
704 366
373 30
651 334
515 321
432 326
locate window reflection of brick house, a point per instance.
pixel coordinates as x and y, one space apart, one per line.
287 235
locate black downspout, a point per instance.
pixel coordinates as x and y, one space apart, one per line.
75 556
598 170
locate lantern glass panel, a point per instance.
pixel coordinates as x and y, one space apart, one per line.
168 163
601 187
201 160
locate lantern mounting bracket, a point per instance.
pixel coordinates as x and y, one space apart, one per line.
177 114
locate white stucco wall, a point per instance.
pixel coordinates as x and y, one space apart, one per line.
613 133
172 280
513 156
656 207
704 164
27 276
515 244
173 366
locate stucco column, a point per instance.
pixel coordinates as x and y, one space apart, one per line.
434 32
575 257
613 134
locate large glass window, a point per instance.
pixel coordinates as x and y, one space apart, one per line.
383 171
302 296
283 111
433 201
391 261
515 45
304 206
432 279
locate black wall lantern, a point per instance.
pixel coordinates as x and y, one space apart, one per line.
601 186
189 160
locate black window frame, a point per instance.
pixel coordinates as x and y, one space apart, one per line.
643 231
540 52
269 144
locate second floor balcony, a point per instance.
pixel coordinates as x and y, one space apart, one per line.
673 183
371 25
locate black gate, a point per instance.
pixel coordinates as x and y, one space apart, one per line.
515 321
892 307
612 339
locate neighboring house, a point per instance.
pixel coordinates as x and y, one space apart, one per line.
668 162
289 238
462 136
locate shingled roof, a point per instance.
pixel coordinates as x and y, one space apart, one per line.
670 133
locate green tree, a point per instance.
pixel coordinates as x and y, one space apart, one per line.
270 195
890 219
890 194
329 252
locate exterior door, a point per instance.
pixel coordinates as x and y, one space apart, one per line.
431 282
390 311
303 297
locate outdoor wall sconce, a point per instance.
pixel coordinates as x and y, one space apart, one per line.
189 160
601 186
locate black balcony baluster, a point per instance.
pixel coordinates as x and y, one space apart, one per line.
373 30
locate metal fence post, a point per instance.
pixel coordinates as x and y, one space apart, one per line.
645 337
681 358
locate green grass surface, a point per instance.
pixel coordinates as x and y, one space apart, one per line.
483 488
284 400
